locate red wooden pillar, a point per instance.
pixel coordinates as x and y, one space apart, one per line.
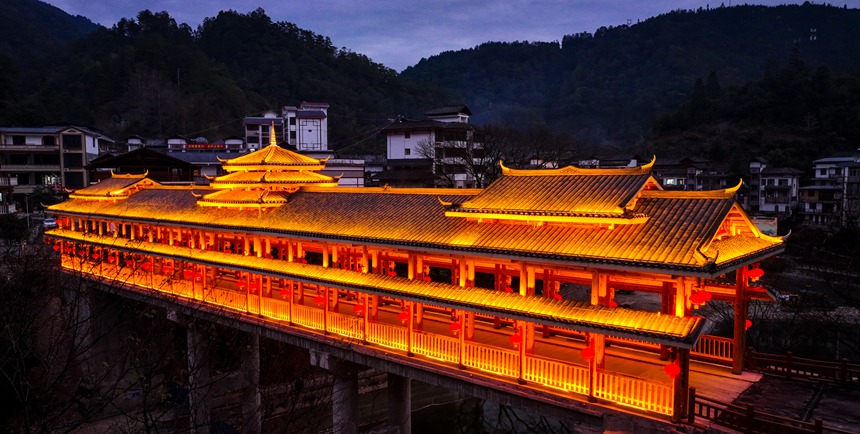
740 307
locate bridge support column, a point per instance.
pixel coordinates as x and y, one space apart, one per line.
399 404
251 401
344 397
198 379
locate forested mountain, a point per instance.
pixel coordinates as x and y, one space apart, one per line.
153 77
791 115
610 86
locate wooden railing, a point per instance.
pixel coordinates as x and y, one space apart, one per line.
633 392
436 347
492 359
387 335
275 309
790 366
713 348
556 374
346 325
308 317
749 420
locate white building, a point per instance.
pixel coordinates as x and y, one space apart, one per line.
304 127
773 190
833 198
429 151
54 156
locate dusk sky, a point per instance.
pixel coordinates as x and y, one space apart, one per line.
402 32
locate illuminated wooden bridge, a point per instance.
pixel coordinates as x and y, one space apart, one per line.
457 280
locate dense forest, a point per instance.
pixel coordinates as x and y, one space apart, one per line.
723 82
153 77
610 86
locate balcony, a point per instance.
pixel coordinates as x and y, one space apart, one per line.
8 182
7 208
24 167
28 147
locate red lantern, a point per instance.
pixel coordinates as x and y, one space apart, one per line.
111 259
146 266
508 289
612 303
359 309
672 370
516 339
755 274
283 293
304 261
319 300
392 273
241 284
403 316
700 297
166 270
56 247
587 353
187 274
747 324
97 256
557 296
427 279
455 326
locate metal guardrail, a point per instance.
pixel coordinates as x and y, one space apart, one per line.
789 366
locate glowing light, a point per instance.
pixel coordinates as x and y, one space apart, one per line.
755 274
747 324
516 339
319 300
587 353
701 297
403 316
392 273
455 326
557 296
672 370
612 303
427 279
56 247
359 309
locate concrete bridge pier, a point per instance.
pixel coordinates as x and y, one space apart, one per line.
252 411
198 379
344 394
399 404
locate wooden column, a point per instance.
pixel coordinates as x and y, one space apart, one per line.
740 307
599 287
681 384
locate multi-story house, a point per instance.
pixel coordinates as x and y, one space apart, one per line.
431 151
304 127
772 190
54 155
833 198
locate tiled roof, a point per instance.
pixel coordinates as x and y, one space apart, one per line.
650 326
569 190
116 186
250 197
280 177
678 225
271 156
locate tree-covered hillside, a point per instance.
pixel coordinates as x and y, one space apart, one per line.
610 86
153 77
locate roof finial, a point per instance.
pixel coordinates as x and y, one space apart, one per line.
272 139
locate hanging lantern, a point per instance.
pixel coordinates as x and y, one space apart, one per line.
700 297
359 309
747 324
516 339
187 274
587 353
97 256
455 327
755 274
56 247
557 296
241 285
112 259
672 370
304 261
167 270
283 293
508 289
319 300
403 317
392 274
612 303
